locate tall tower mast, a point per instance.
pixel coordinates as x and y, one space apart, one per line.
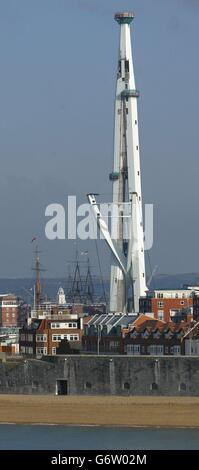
128 279
126 176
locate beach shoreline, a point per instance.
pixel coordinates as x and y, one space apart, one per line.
108 411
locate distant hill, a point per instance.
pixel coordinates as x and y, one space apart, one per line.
24 287
175 281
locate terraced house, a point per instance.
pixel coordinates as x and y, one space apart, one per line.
52 337
104 333
155 337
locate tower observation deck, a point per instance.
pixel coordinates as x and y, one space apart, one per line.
124 18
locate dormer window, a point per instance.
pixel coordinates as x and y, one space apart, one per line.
134 334
168 334
156 334
145 334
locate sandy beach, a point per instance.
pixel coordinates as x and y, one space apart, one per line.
99 410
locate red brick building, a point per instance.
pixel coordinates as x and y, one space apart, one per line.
50 336
155 337
13 311
9 349
169 305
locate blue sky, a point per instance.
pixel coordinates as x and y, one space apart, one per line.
57 82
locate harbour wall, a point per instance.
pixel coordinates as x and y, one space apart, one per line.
101 375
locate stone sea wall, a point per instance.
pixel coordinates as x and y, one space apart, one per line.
101 375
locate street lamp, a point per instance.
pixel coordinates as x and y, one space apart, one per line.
98 338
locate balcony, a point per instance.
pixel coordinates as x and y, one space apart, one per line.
114 176
130 94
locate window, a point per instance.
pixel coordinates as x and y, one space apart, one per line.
160 304
41 351
133 334
126 66
176 296
9 303
176 351
23 337
138 173
23 349
160 314
56 337
7 314
136 122
136 147
114 344
145 334
127 111
72 325
182 302
143 349
168 334
74 338
30 337
166 350
41 338
156 334
54 351
160 296
156 350
55 325
13 315
119 68
119 111
133 349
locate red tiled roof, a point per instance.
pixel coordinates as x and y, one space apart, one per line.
151 325
141 319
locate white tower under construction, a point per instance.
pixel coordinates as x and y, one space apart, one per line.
128 279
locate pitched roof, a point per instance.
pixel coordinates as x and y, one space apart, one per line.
151 325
